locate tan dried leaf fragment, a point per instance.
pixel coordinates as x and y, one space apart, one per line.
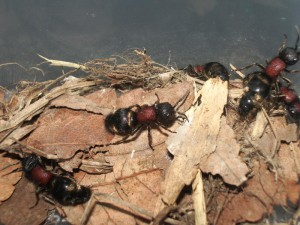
200 142
8 176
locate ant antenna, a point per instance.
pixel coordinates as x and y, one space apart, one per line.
283 44
181 101
298 34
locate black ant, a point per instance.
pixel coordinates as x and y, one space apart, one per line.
62 189
208 70
127 122
258 86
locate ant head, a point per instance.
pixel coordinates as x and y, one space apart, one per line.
165 113
30 162
289 55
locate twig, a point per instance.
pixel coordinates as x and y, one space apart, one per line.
117 201
199 200
53 62
237 71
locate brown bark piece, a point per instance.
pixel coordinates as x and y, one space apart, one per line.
199 142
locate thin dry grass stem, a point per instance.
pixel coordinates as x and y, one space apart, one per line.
102 197
13 63
277 143
36 151
36 107
292 148
59 63
237 71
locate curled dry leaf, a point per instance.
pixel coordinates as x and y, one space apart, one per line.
8 176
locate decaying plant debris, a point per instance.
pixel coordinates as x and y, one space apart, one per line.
220 169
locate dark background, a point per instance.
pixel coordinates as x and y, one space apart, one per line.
192 31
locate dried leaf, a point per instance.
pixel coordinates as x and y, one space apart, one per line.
63 132
225 161
97 102
8 176
16 209
257 198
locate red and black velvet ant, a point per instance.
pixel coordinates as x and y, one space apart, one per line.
128 121
62 189
292 103
208 70
287 56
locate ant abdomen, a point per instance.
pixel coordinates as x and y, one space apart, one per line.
121 122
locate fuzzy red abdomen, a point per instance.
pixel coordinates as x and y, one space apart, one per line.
274 68
198 69
289 95
40 175
146 114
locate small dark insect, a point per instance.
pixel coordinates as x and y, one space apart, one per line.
208 70
291 102
287 56
129 121
62 189
258 87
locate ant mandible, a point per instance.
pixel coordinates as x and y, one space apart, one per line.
129 121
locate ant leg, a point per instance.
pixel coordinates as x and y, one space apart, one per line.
292 71
249 66
125 139
283 44
164 127
288 81
37 197
150 137
181 101
157 101
297 41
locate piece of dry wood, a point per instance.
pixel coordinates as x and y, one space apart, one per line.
199 200
200 141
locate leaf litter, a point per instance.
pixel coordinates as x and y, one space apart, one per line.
215 169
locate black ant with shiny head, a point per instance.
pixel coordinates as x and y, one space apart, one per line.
128 121
62 189
208 70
